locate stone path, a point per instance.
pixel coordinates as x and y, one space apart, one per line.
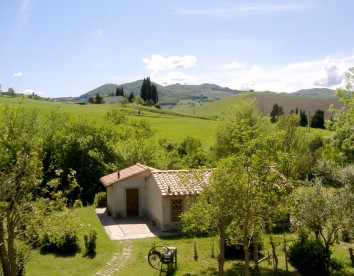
117 261
128 228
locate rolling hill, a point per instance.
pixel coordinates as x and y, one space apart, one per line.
169 95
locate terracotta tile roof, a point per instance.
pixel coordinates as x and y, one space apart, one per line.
112 178
181 182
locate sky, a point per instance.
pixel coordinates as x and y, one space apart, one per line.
62 48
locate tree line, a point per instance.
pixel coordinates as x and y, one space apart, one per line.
316 121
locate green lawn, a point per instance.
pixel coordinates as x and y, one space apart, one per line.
136 263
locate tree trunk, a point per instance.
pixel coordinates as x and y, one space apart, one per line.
5 264
247 255
275 257
221 256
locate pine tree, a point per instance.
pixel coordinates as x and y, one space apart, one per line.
317 121
276 111
303 119
131 97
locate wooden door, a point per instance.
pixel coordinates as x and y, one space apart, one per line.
132 202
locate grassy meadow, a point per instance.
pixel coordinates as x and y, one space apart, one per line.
168 125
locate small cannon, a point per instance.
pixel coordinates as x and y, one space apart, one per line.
161 255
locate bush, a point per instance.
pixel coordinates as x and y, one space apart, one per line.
64 241
310 257
78 203
100 200
90 242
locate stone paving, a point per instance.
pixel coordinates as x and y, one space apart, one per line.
128 228
117 261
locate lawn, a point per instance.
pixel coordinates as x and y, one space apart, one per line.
130 257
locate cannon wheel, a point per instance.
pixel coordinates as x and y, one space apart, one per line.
155 257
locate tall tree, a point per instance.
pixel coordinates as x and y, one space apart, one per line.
20 175
276 111
303 119
317 121
148 92
340 145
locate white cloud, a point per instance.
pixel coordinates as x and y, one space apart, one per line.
173 77
327 72
241 9
158 63
18 74
233 65
331 74
30 92
23 14
98 35
255 69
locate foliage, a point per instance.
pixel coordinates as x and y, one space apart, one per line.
100 200
303 119
340 144
148 92
239 130
244 192
20 174
325 212
90 242
317 121
309 257
276 111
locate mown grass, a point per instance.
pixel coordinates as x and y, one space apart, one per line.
137 263
79 263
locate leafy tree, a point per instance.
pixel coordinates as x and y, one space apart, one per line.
325 211
244 191
317 121
20 173
11 92
242 126
340 144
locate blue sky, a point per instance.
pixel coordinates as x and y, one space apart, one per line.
68 47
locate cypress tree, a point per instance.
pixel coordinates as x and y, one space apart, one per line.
303 119
317 121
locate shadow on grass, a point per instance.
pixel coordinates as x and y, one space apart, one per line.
58 254
89 255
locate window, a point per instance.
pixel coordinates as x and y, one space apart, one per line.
176 209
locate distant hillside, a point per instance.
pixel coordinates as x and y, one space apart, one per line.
316 93
169 95
309 104
265 102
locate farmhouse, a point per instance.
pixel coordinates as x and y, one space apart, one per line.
160 195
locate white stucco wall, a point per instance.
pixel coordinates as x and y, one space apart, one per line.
153 207
117 195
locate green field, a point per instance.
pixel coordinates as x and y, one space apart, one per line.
168 125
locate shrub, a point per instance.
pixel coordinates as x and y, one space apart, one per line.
90 241
309 257
64 241
78 203
100 199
